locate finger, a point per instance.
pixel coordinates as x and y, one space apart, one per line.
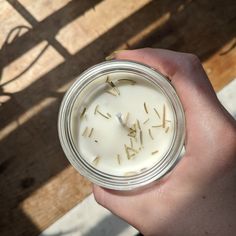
126 204
170 63
116 202
132 206
184 71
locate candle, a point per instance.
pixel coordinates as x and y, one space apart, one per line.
121 125
125 126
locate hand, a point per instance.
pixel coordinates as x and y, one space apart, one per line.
198 197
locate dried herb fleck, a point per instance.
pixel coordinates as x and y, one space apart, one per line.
150 133
138 123
118 159
156 126
91 132
164 117
108 114
146 121
157 113
155 152
130 173
96 109
112 85
132 131
100 113
167 129
131 142
145 107
132 82
111 91
96 161
141 137
83 112
130 152
85 132
126 118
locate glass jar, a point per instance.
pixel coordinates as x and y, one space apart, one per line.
87 88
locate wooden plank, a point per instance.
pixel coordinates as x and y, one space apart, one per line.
221 66
197 27
37 184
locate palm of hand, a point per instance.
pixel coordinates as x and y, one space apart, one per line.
182 202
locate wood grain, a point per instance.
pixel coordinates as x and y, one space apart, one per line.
37 183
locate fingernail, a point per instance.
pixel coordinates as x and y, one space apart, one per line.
113 55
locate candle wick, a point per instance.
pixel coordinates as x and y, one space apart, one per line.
119 116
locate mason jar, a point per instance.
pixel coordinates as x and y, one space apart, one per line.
121 125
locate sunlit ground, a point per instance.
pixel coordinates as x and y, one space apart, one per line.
44 46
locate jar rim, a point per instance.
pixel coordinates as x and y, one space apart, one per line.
96 176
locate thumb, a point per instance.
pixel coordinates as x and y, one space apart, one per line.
183 69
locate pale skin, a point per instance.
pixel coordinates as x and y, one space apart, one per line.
198 197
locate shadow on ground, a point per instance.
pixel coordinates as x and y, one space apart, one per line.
30 154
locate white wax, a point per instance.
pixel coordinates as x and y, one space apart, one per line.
105 142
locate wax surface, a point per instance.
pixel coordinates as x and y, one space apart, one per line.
125 126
